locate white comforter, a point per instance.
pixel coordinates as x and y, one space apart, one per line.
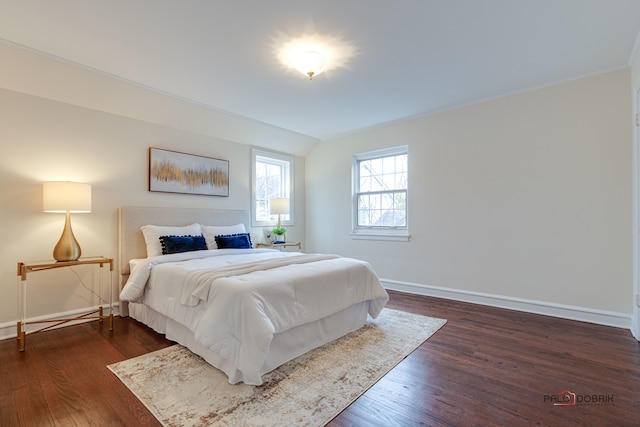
236 313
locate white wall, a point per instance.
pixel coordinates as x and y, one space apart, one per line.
635 88
44 139
526 197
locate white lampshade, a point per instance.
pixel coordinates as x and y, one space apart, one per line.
74 197
279 206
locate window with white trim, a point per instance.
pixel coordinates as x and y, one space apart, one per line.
272 177
380 181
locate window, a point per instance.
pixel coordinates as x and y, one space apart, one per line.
380 194
272 177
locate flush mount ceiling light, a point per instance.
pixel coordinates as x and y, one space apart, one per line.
313 54
310 62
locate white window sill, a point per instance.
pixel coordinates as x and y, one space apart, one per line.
389 237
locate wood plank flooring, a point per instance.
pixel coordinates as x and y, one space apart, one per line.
485 367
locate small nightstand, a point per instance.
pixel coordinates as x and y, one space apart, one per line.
24 268
280 246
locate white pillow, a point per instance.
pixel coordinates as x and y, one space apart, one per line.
152 234
211 231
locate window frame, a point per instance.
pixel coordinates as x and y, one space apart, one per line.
392 233
286 192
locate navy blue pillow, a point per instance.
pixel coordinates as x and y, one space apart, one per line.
178 244
234 241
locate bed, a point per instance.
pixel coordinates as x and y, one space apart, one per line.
245 311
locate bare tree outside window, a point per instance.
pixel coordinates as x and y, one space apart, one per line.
272 178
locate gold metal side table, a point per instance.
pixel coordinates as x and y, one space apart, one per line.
279 245
24 268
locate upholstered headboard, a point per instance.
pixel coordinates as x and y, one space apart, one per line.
130 218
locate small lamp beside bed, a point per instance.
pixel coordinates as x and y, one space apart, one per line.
66 197
279 206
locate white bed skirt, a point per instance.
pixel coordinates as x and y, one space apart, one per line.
284 347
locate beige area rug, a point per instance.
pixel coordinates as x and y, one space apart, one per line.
181 389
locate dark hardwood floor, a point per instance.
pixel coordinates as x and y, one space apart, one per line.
486 366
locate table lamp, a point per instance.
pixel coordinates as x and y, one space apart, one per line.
66 197
279 207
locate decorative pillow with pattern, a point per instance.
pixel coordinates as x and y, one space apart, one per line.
234 241
178 244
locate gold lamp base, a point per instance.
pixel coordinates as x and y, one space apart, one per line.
67 248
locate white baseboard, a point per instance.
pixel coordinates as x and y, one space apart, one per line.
590 315
9 330
583 314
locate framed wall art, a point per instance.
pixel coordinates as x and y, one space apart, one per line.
175 172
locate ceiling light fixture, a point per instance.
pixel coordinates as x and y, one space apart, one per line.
310 63
313 54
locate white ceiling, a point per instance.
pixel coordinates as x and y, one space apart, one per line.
413 56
